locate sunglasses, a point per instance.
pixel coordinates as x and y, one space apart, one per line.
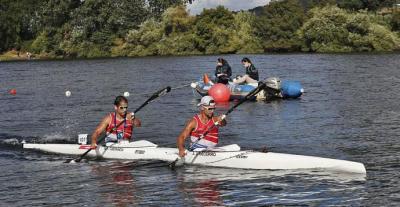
123 107
210 109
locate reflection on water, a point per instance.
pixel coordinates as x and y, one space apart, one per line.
209 186
117 182
202 192
223 174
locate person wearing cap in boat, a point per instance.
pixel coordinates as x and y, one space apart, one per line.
223 71
251 75
203 123
112 120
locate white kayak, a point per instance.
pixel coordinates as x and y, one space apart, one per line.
138 150
229 156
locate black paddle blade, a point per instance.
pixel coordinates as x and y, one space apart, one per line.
172 165
167 90
154 96
78 160
68 160
177 162
161 92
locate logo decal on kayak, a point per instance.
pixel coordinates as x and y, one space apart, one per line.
117 149
205 153
241 156
139 152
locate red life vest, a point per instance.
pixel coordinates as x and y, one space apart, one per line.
211 139
124 130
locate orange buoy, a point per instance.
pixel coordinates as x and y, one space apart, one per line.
206 80
13 91
220 92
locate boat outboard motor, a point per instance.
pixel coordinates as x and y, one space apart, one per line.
274 83
273 88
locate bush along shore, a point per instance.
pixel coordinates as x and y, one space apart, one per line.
107 28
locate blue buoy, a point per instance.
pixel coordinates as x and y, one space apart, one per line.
291 89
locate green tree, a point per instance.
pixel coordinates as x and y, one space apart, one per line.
16 22
171 36
395 21
157 7
243 38
309 4
354 5
371 5
213 28
325 31
278 25
178 37
55 13
97 23
141 42
52 19
331 29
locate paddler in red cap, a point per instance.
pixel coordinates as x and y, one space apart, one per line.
202 128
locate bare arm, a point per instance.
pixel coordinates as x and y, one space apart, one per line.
100 129
190 126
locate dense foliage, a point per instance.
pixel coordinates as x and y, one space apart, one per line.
81 28
331 29
102 28
278 24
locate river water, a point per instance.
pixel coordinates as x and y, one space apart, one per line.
350 111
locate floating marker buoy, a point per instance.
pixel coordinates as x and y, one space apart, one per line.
126 94
67 93
220 92
13 91
292 89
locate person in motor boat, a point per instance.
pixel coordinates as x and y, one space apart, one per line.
203 123
223 71
112 120
251 75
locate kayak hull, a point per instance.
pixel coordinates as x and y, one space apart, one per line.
228 157
140 150
271 161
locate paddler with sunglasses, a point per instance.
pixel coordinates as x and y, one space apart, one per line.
199 125
109 122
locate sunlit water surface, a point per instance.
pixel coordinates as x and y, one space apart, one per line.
350 111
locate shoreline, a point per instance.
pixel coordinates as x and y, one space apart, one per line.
12 55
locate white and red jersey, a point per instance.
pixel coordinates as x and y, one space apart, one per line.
124 130
210 140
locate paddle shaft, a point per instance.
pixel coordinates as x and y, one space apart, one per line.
154 96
